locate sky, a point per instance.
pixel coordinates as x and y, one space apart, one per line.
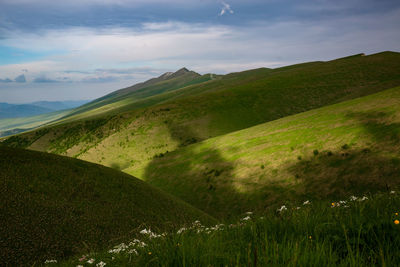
84 49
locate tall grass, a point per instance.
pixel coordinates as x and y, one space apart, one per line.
353 232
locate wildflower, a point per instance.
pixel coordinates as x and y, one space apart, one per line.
82 258
245 218
79 265
396 213
50 261
396 221
145 232
149 252
363 198
353 198
91 261
392 192
249 213
307 202
133 251
310 237
101 264
282 208
181 230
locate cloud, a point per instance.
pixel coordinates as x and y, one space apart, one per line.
44 79
20 79
6 80
225 8
105 79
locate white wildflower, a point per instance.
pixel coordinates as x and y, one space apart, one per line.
79 265
342 202
282 208
50 261
392 192
181 230
150 233
363 198
353 198
91 261
133 251
249 213
246 218
145 232
307 202
101 264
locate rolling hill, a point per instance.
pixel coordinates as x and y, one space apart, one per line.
57 207
131 128
348 148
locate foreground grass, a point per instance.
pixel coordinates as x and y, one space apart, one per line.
53 206
357 231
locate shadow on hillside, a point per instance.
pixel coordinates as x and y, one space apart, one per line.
205 179
199 185
355 170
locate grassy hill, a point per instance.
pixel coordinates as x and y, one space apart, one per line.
129 133
351 147
117 101
57 207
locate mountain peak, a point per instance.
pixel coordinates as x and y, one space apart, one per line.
182 71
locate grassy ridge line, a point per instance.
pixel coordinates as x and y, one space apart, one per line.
53 206
349 147
116 101
197 112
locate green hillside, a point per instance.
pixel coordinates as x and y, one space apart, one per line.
132 133
117 101
348 148
57 207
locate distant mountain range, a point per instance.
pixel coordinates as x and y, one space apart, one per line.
36 108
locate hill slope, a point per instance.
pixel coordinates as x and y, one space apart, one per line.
116 101
54 207
348 148
137 131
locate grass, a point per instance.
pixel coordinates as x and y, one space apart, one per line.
53 206
350 147
350 232
165 121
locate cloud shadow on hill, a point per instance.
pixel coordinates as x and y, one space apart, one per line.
202 186
203 178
